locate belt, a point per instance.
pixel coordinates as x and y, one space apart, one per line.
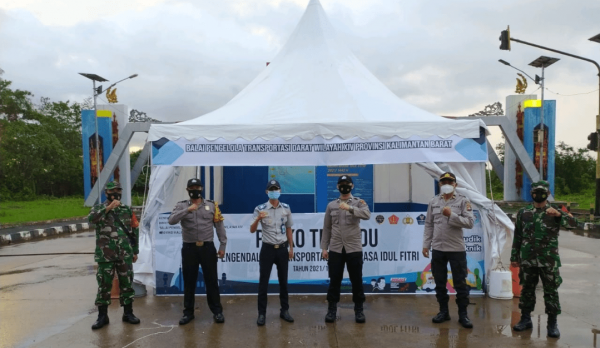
276 246
198 243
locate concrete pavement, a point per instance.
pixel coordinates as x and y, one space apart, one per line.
47 301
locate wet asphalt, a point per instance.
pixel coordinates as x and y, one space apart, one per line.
48 301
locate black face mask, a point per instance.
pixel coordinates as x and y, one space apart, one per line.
195 194
345 189
113 196
539 196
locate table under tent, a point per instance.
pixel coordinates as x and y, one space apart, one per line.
311 115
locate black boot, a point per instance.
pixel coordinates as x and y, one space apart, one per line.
525 322
552 326
331 312
463 319
128 316
102 318
443 315
359 316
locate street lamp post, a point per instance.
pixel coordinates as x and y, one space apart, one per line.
96 93
542 62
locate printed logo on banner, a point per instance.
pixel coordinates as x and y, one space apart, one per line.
380 219
408 220
421 219
393 219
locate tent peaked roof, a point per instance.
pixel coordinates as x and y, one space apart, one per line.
315 86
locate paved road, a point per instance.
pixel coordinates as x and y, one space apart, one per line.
47 301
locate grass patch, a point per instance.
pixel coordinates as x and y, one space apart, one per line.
43 209
137 200
584 199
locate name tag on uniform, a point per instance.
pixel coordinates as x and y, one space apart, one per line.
206 207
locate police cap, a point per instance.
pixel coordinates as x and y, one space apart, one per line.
273 183
447 176
345 178
194 182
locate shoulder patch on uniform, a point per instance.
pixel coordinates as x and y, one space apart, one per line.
469 208
362 201
261 207
284 205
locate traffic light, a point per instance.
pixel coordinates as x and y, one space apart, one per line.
593 138
505 39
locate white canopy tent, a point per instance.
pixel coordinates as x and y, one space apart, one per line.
316 104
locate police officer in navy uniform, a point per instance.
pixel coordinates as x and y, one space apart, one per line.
199 218
341 245
447 214
275 218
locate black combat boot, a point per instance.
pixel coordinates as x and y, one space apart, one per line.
359 316
525 322
102 318
443 315
331 312
463 319
552 326
128 316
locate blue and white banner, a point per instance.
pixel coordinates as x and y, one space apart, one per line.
392 245
317 151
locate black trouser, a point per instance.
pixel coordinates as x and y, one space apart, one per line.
354 262
280 257
193 256
458 266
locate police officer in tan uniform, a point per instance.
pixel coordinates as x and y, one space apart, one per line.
199 217
341 245
448 213
275 217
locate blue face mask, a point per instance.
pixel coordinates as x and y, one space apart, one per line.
274 194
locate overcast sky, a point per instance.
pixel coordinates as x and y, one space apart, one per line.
194 56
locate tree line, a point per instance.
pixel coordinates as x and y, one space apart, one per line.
41 150
40 146
574 171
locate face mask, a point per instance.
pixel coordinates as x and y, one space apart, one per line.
114 196
447 189
345 189
194 194
539 196
274 194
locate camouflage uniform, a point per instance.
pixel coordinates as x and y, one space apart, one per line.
535 248
114 251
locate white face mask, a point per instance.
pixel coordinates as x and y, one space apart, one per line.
447 189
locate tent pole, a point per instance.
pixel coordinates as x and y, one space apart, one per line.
410 194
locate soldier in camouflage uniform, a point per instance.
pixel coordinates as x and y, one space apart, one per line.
117 236
535 251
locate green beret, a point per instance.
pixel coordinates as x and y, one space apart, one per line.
113 185
540 185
